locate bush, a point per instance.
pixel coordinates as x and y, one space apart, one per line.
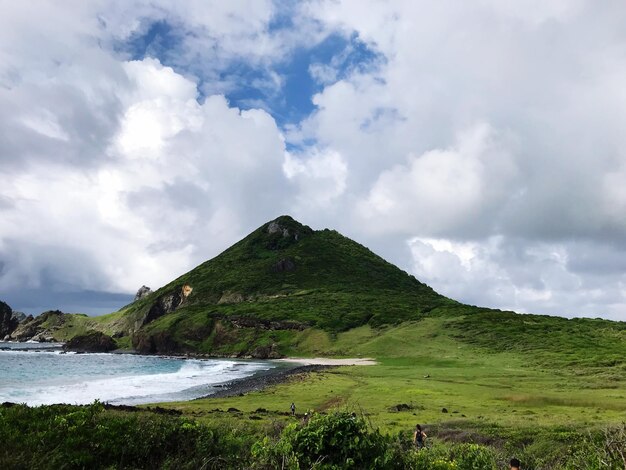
77 437
604 450
338 440
474 457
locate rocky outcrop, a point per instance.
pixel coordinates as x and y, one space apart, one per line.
143 291
266 352
284 265
283 232
166 304
275 227
8 323
94 341
161 342
261 324
231 298
20 316
40 328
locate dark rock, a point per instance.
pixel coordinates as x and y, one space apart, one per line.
401 407
266 352
95 341
240 321
233 410
142 292
8 323
284 265
157 343
254 417
444 410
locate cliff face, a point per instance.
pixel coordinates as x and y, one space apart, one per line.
8 322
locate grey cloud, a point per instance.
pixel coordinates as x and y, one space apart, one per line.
383 159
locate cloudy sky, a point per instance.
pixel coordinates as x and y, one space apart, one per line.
479 145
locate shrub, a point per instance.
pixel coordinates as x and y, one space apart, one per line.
604 450
474 457
77 437
334 441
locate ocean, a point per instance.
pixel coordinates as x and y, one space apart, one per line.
40 374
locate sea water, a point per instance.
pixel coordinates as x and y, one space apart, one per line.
41 374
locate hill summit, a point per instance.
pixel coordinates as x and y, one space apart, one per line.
283 276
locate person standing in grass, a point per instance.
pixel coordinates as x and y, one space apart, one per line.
293 409
515 464
418 437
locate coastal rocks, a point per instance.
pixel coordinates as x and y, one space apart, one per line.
40 328
8 323
95 341
143 291
161 342
26 330
266 352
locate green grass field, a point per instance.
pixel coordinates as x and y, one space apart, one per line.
507 398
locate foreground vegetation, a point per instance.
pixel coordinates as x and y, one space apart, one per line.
70 437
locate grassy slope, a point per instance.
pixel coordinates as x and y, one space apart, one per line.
358 304
519 395
337 284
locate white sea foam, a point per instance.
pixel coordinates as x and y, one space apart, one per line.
192 379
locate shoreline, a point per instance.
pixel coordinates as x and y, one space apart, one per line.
281 370
278 375
261 380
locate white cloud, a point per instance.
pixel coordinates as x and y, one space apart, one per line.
443 191
533 277
320 178
489 135
141 220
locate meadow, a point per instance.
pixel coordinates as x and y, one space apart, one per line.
536 406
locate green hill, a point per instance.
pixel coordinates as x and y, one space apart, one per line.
286 289
281 279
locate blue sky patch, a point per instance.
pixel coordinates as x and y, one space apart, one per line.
284 89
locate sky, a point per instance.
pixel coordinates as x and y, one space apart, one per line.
478 145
